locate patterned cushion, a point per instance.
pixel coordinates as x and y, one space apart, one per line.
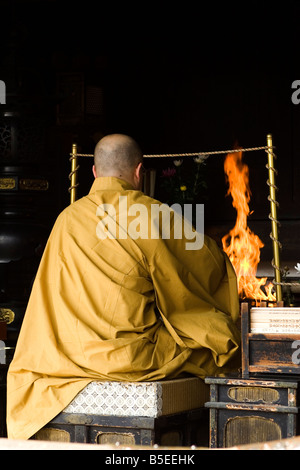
149 399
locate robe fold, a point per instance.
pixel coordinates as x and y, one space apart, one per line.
108 306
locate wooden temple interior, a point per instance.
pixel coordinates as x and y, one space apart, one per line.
183 87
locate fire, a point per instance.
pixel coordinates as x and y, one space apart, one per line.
241 244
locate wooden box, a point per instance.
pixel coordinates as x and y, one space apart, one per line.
253 410
181 429
268 353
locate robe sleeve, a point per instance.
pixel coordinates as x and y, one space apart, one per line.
196 294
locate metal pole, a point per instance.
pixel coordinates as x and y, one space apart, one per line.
273 217
73 174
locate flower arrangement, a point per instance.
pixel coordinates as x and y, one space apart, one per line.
185 181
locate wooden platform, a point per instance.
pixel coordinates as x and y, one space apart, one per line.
253 410
169 412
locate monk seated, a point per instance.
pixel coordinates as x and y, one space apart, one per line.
115 301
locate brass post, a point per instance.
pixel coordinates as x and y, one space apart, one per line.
273 217
73 174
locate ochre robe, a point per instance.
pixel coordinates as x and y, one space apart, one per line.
117 309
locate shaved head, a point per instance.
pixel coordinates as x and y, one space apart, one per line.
117 155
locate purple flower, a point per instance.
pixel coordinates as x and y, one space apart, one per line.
169 172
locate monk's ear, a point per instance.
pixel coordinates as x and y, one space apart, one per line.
139 171
94 171
138 176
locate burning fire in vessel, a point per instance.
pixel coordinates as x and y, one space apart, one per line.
241 244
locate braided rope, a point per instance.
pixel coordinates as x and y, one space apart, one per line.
176 155
220 152
72 157
168 155
275 240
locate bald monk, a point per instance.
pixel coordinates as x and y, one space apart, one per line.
109 306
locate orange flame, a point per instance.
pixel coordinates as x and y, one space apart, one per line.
241 244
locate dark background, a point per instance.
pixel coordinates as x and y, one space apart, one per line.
191 77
